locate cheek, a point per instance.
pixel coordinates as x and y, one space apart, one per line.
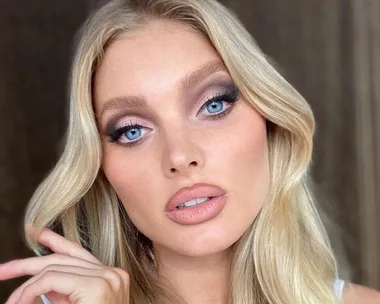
251 152
246 161
242 150
129 178
136 180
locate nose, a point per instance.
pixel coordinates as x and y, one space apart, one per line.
182 155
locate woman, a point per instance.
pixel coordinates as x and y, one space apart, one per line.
184 175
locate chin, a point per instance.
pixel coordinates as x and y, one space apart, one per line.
204 251
205 243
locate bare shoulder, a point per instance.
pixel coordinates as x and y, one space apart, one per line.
354 294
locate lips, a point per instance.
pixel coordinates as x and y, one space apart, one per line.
193 192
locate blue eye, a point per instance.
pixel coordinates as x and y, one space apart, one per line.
129 135
219 105
215 107
133 134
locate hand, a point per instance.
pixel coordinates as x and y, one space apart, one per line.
69 276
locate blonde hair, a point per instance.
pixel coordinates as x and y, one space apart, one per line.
284 257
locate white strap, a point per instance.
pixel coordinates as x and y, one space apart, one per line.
45 300
338 289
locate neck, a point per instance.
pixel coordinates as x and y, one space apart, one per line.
196 279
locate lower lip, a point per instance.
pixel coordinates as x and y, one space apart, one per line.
199 213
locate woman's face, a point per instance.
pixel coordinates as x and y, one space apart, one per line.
172 119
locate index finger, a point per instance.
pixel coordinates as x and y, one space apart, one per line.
61 245
34 265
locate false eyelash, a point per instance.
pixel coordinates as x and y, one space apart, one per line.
230 97
114 135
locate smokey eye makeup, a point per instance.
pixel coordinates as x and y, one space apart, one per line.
219 104
131 132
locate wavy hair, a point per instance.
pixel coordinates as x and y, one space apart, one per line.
283 258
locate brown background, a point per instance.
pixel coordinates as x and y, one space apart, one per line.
328 49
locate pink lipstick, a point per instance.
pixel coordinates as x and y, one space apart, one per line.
196 204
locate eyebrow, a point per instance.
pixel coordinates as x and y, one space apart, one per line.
187 83
134 102
193 79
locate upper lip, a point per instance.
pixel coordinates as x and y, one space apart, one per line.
195 191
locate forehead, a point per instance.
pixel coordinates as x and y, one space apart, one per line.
151 61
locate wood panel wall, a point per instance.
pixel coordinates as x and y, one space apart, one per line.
366 96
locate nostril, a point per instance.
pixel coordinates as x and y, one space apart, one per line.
181 168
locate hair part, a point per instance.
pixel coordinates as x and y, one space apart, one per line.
284 257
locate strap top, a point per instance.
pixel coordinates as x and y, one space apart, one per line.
45 300
338 289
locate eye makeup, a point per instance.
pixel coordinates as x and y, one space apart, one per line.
131 132
131 128
229 96
115 135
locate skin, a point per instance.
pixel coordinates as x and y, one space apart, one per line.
180 147
353 294
70 275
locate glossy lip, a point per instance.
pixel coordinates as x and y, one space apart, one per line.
199 213
196 191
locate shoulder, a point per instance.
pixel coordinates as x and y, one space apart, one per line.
353 294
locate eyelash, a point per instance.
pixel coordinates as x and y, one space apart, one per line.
117 133
230 97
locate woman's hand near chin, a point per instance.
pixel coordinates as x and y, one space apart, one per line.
69 276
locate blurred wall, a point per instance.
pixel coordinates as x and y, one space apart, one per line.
35 51
326 49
